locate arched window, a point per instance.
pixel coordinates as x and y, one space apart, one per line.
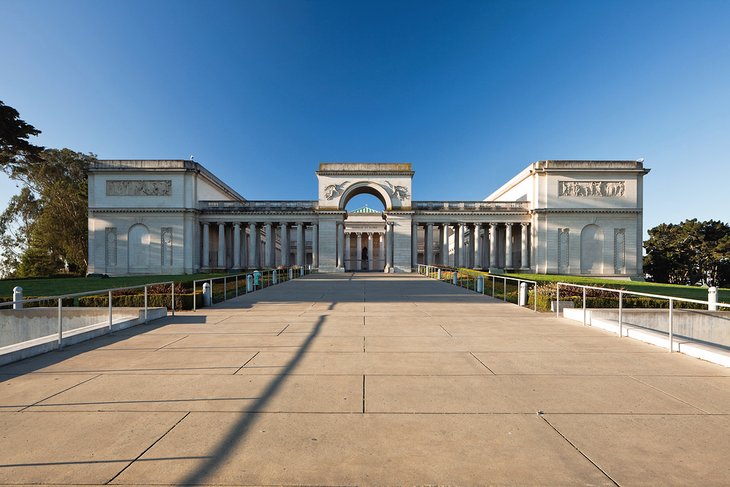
591 250
139 248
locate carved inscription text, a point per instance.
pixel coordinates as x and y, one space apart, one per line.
129 187
606 189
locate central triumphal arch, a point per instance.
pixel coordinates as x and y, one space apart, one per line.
173 217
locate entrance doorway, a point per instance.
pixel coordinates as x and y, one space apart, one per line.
364 234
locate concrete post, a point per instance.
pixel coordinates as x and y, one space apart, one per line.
284 242
492 245
274 277
236 245
315 245
221 245
522 298
17 297
269 245
249 283
300 244
371 256
206 245
480 284
508 247
711 299
207 294
525 250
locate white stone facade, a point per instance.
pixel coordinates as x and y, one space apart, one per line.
175 217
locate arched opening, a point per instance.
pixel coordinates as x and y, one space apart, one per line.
591 250
138 245
364 231
369 188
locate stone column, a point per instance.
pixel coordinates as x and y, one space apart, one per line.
493 245
236 245
389 249
525 254
341 245
268 245
315 245
221 245
381 247
461 246
428 243
284 242
358 250
206 245
371 255
253 246
477 246
244 246
414 245
445 244
348 251
300 244
508 247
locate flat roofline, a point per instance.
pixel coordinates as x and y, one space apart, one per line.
376 167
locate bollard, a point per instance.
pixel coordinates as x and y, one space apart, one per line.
17 297
249 283
480 284
711 299
207 294
438 274
455 278
301 271
274 277
256 278
522 301
291 273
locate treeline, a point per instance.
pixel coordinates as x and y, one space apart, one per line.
43 230
691 252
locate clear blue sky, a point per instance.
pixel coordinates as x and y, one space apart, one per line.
469 92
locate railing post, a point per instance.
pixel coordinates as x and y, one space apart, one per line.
110 311
145 304
557 301
236 285
620 314
225 288
172 298
671 325
195 298
504 291
492 286
535 297
584 306
60 324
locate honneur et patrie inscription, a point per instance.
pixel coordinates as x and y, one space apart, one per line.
606 189
132 187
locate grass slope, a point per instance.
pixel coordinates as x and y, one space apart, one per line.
70 285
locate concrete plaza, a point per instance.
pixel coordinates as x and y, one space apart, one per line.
364 379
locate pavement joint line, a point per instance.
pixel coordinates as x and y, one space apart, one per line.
363 393
283 329
147 449
485 365
447 331
668 394
172 342
579 450
370 413
59 392
247 361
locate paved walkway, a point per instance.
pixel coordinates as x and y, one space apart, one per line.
364 380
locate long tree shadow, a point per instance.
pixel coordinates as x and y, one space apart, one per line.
239 430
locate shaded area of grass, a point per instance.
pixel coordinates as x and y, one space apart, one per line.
70 285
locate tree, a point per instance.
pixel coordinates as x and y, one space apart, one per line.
14 145
691 252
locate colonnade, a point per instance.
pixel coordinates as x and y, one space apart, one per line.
369 239
252 240
475 245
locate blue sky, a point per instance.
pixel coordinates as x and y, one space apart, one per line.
469 92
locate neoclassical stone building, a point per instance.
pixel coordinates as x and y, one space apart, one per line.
554 217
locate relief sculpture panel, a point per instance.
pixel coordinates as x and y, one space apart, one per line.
146 187
605 189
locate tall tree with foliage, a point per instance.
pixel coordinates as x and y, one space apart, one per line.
691 252
44 228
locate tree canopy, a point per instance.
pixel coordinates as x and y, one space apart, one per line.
691 252
44 228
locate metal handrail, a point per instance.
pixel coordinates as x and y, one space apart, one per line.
621 293
426 269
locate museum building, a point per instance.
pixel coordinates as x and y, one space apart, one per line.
554 217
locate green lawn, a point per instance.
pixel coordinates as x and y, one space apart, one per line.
689 292
70 285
